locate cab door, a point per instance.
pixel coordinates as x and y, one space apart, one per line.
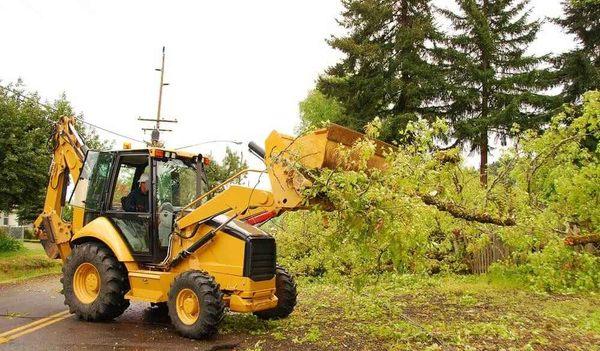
89 196
133 222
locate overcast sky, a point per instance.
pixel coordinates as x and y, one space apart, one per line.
237 69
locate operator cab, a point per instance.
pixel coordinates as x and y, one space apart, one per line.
111 186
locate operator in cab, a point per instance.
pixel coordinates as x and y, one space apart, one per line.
137 200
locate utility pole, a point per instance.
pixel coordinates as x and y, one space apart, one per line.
155 132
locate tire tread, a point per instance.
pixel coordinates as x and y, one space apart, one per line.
286 292
211 300
111 301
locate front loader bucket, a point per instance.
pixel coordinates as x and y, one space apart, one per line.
319 149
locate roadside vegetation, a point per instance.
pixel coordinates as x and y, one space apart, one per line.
8 244
20 261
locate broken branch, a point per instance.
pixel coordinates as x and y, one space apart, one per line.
457 212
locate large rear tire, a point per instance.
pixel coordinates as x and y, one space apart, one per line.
95 283
196 305
285 290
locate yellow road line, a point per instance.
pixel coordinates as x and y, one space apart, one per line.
39 321
33 326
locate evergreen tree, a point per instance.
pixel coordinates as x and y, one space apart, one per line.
494 83
387 70
579 70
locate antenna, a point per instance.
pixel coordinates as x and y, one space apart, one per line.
155 136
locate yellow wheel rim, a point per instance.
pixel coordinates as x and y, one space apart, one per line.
86 283
188 306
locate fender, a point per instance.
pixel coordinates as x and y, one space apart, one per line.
103 230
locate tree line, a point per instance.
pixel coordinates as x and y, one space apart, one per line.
27 122
25 152
407 59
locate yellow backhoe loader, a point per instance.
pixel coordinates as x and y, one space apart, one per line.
144 227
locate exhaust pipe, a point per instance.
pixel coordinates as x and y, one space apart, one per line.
256 150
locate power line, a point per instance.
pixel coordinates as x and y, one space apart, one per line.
20 94
210 142
110 131
51 108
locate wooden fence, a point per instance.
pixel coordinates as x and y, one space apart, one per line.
481 260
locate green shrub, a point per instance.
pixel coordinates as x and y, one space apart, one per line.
556 268
9 244
561 268
30 234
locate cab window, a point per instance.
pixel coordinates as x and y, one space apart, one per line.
90 188
176 187
128 194
176 182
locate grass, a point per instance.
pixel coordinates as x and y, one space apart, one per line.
398 312
29 262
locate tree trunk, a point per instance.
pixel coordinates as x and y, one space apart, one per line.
485 99
402 104
483 162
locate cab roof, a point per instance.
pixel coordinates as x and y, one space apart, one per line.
153 151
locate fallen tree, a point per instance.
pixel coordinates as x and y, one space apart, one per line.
459 212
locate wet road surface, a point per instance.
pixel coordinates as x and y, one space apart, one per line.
23 307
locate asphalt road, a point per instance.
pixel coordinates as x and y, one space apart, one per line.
24 324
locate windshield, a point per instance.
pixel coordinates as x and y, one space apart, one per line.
90 188
176 182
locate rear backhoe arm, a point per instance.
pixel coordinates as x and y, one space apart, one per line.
68 155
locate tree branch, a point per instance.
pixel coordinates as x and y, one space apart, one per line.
457 212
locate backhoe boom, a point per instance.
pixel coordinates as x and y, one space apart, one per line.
68 155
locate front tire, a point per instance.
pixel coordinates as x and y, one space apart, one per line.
285 290
196 305
95 283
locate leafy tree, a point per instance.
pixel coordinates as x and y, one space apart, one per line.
494 84
579 70
387 70
318 109
25 155
232 163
